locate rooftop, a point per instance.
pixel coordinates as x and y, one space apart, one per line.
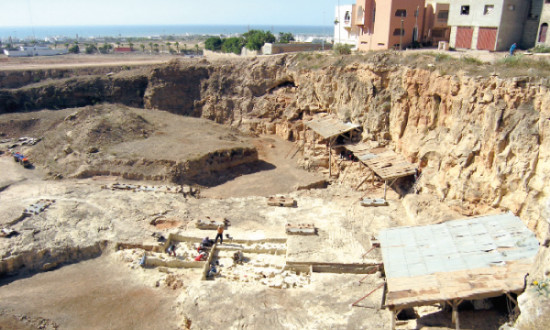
330 127
462 259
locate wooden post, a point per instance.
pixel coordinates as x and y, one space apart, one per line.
330 157
454 317
393 317
385 184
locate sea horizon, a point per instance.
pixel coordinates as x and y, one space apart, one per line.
143 31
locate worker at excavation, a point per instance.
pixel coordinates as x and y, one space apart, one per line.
220 234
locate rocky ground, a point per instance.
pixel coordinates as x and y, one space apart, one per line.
479 140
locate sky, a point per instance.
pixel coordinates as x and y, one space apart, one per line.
36 13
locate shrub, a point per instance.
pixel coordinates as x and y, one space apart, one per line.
232 45
342 49
541 49
90 49
471 60
285 38
74 49
213 44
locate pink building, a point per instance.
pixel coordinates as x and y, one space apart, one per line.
388 24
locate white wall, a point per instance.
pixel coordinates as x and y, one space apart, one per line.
476 16
343 30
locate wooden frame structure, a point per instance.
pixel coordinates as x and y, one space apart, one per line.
384 163
329 129
458 260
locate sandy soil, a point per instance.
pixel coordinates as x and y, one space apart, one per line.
94 294
81 60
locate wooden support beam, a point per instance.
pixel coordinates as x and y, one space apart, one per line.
454 317
368 294
364 180
515 310
330 157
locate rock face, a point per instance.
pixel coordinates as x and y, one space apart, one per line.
482 142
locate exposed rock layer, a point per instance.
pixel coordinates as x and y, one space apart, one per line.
481 141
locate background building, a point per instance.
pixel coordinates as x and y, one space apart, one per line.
344 31
436 17
542 36
385 24
487 24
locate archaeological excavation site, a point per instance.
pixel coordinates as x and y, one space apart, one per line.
384 190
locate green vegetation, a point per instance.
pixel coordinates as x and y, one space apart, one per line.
74 49
541 49
542 287
213 44
471 60
232 45
285 38
90 49
255 39
105 49
342 49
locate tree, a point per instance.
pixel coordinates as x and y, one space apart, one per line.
142 46
232 45
74 49
131 45
197 49
156 48
151 46
213 43
177 46
285 38
105 49
255 39
90 49
67 45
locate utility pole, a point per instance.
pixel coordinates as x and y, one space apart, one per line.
338 20
401 32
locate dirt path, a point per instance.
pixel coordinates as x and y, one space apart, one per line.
281 174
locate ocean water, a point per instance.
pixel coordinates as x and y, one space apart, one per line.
43 32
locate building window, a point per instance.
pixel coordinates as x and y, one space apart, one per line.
488 9
401 13
347 17
398 32
464 10
443 15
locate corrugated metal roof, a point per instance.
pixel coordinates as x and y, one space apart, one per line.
330 127
467 250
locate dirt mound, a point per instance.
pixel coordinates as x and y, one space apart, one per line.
133 143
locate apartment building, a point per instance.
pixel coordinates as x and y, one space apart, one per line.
436 17
487 24
388 24
344 30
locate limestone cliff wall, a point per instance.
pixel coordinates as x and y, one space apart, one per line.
482 142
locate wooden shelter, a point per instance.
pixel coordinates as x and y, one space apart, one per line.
458 260
384 163
329 129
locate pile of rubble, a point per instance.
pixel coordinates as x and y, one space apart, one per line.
186 191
